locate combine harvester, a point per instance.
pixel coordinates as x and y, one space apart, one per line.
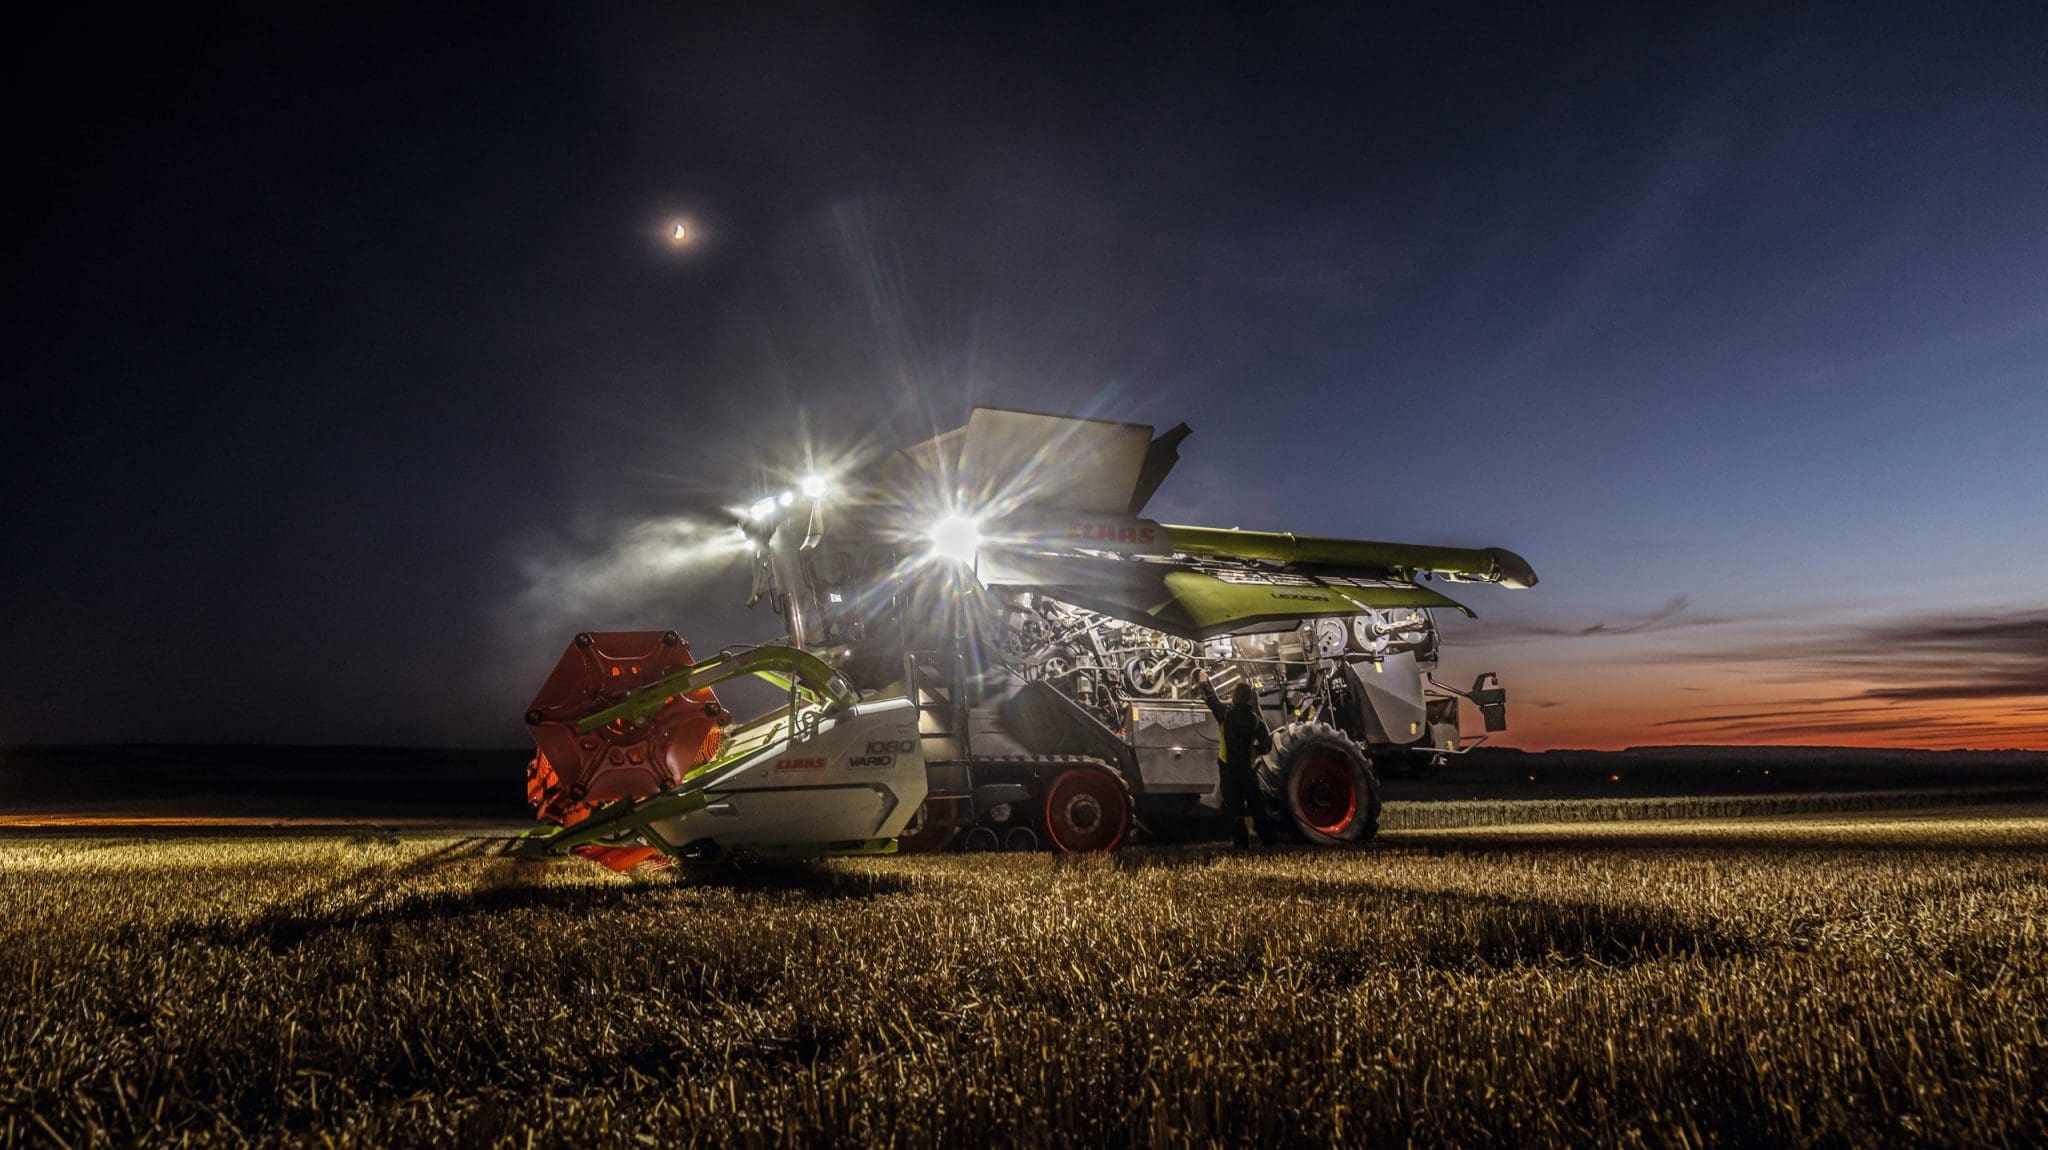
988 647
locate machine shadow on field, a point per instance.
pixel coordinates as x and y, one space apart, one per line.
376 896
285 928
1468 929
1490 930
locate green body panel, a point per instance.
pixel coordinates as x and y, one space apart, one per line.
1403 559
1209 606
1196 604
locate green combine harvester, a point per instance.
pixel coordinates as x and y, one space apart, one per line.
989 647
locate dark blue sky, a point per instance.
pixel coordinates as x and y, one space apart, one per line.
349 355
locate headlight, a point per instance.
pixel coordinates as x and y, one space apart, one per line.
956 537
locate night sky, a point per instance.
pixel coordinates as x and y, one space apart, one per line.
351 369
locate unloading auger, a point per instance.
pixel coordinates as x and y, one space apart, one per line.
988 647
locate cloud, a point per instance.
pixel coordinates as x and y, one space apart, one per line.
1936 658
1743 717
1672 616
1905 679
1896 729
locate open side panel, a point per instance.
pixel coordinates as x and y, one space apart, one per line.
1047 722
1020 459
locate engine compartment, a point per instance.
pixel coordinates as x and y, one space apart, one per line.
1109 665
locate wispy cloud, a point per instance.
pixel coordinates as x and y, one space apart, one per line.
1904 679
1921 678
1895 729
1674 615
1739 717
1943 657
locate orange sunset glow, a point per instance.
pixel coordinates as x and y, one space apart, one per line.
1969 681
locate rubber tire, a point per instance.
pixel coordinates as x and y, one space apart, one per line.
1066 782
1296 779
930 835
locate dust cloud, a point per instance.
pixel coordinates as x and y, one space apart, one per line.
621 575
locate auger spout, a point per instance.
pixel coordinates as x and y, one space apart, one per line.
1481 565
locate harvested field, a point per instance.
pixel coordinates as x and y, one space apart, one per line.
1456 813
1827 979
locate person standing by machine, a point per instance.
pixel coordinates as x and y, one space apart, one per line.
1241 737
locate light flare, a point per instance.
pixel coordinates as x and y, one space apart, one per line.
956 537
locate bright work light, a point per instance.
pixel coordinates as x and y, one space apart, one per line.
814 487
762 508
956 537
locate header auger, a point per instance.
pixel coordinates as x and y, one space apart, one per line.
988 646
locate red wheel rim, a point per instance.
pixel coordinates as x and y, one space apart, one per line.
1085 810
1326 794
931 829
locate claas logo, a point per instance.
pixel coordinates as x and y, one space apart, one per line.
1113 533
810 764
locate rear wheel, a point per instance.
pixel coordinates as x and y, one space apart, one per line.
1087 809
1320 785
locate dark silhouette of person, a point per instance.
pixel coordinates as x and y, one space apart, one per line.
1242 736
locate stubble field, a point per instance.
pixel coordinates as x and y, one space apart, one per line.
1846 979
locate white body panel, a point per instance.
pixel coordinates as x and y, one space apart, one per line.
1176 745
860 777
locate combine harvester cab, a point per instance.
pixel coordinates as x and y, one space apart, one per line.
988 646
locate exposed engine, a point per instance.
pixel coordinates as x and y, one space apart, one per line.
1105 663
